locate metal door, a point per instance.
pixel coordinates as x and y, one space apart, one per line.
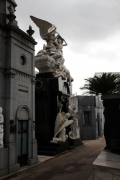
22 152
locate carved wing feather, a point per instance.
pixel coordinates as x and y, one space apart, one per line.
66 123
60 124
44 26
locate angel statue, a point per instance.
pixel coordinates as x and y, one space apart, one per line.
47 33
51 56
75 131
59 130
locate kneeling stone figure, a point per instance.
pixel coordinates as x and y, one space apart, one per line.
59 130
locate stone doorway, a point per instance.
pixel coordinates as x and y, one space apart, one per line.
23 117
22 154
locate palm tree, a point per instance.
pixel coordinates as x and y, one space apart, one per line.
105 84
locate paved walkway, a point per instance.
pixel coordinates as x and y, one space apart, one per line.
72 165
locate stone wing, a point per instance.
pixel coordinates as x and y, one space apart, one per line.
44 26
65 124
58 122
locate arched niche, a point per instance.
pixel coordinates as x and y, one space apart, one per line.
23 113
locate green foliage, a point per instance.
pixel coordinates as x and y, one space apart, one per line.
105 84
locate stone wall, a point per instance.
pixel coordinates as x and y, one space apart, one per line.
92 106
17 90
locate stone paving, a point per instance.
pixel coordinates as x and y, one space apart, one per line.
73 165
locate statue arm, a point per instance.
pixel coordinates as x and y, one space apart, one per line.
64 43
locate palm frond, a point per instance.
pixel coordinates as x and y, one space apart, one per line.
105 84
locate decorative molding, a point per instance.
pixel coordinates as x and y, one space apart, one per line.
19 109
10 73
23 74
30 31
18 34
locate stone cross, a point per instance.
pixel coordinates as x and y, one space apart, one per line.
1 127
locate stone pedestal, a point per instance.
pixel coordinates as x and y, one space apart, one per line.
52 149
4 160
75 143
106 166
50 93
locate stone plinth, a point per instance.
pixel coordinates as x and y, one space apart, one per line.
75 143
50 93
52 149
106 166
44 63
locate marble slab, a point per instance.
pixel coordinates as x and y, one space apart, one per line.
106 166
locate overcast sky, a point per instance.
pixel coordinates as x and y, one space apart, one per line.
90 27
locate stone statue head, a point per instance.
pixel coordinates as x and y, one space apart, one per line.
74 108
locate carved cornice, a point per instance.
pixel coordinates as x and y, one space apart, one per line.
20 32
24 74
10 73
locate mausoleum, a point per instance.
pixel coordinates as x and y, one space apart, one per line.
92 120
18 145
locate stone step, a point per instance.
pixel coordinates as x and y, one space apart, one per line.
47 148
48 153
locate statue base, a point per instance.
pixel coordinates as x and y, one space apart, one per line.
50 93
74 143
52 149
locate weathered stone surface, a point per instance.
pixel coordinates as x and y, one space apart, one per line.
14 168
4 171
106 166
3 158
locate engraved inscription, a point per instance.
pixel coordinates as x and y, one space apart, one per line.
23 88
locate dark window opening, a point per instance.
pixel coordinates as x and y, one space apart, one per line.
23 60
86 118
